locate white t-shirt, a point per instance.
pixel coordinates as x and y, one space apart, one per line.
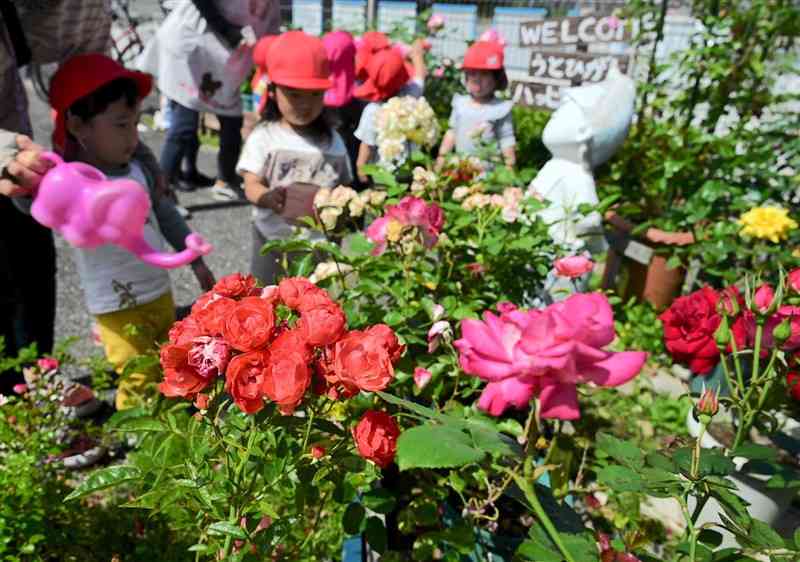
282 157
110 274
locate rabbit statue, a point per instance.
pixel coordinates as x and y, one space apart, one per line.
588 127
89 210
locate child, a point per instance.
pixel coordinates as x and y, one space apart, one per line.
96 103
480 115
387 76
293 151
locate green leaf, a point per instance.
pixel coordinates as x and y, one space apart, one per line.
107 477
762 535
408 405
710 538
755 452
140 424
352 518
435 446
623 452
375 533
621 479
797 538
714 462
394 318
304 266
226 528
379 500
657 460
491 441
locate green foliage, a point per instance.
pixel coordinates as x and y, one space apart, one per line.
687 168
529 125
638 327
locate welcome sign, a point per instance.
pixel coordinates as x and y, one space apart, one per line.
575 30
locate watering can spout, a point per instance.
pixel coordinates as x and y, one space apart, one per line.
196 246
90 210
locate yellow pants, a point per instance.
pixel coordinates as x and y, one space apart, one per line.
131 332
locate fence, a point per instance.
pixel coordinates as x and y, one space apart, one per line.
466 20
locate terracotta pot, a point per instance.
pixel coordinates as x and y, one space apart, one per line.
636 268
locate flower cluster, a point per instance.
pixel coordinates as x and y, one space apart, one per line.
335 204
268 344
407 224
424 181
400 121
463 170
510 203
767 223
698 325
545 353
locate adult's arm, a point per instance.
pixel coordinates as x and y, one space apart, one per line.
232 34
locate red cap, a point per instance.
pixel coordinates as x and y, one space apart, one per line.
386 73
483 55
370 43
260 57
81 75
298 60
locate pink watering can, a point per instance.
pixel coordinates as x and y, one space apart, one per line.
90 210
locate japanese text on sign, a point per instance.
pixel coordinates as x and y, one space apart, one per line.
574 30
572 68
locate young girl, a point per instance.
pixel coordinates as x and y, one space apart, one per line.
480 115
97 111
293 151
387 76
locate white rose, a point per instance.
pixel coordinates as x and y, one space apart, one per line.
356 207
322 197
341 195
460 193
330 216
377 198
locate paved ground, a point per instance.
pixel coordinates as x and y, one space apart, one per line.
225 227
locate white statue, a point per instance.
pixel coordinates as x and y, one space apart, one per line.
588 127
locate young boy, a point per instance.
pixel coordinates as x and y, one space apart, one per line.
96 103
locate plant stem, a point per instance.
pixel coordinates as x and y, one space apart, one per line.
696 454
530 494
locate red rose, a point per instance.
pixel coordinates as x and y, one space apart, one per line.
186 330
180 379
211 310
245 378
288 374
361 360
235 285
793 382
292 289
249 325
763 297
376 437
322 325
689 326
314 298
390 341
318 451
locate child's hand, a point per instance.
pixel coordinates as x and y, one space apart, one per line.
275 199
203 275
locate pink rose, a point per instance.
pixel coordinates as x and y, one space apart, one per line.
545 353
209 356
435 23
20 388
573 266
438 72
793 280
421 377
440 330
47 364
763 298
492 36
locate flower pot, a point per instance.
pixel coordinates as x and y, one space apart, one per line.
636 266
767 505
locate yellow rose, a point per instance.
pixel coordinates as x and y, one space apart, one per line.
767 223
394 230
